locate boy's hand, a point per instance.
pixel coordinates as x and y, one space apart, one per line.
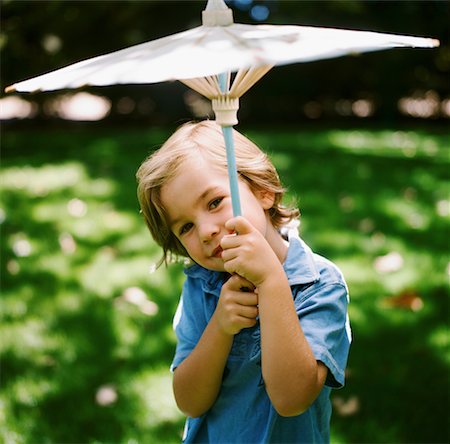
236 309
248 253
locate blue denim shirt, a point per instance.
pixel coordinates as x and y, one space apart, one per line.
243 412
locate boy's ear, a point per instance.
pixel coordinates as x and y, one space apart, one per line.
266 198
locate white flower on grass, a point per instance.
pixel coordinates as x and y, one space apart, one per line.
389 263
137 296
106 395
77 207
21 246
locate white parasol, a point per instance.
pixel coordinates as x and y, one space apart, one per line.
204 57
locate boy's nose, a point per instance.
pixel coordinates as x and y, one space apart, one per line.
208 232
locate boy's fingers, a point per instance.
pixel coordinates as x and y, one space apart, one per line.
247 298
237 283
247 322
249 312
229 241
239 225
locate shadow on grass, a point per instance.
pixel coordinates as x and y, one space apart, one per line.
86 321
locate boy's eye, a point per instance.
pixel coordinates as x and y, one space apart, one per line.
185 228
215 203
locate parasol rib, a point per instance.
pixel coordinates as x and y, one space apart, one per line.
202 86
242 83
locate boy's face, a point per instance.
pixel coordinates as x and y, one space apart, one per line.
198 203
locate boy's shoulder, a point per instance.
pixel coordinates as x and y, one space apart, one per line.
303 266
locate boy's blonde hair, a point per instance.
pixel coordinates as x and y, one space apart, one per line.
203 139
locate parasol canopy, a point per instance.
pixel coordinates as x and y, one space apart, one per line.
218 46
204 57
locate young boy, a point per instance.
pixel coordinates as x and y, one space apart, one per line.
262 323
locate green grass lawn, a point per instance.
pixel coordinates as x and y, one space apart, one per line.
86 337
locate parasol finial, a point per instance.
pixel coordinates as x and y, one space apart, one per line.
217 13
226 108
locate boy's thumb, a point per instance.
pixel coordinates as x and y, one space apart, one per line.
239 225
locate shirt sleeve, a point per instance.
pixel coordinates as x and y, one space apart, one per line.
189 321
322 311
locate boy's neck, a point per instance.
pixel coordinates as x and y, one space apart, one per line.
277 242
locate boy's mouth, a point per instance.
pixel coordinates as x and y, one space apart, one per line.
217 252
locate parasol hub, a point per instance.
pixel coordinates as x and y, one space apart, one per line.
217 13
225 109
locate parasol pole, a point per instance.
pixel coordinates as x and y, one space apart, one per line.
232 170
231 157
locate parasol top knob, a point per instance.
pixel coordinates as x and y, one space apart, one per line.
217 13
225 108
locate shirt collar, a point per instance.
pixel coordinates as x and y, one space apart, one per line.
211 281
299 266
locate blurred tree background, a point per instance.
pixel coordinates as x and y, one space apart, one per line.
40 36
361 143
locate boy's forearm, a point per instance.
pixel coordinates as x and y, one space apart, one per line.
292 376
197 380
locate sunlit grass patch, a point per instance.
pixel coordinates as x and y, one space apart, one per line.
153 389
390 143
38 182
439 340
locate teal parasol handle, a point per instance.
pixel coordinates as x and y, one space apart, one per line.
232 170
231 158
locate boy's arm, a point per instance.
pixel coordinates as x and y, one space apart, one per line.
197 380
292 375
